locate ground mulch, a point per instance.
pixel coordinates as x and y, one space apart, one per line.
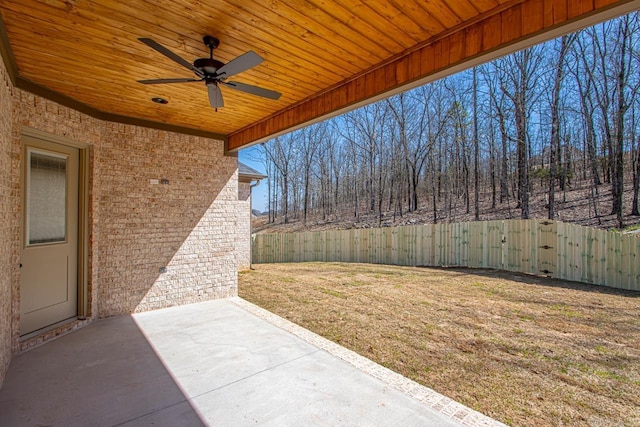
528 351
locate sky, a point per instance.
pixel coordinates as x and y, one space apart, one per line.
248 156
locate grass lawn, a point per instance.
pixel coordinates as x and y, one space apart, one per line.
524 350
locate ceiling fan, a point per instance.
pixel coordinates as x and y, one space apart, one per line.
213 72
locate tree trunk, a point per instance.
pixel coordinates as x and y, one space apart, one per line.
476 147
636 182
523 160
504 187
555 125
617 187
492 170
305 198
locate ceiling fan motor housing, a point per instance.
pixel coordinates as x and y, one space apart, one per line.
208 66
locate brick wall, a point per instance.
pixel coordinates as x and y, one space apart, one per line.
7 164
151 245
244 225
187 226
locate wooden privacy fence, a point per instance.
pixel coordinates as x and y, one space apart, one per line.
556 249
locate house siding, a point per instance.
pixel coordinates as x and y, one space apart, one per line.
7 255
150 245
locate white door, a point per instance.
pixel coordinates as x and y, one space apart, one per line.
49 256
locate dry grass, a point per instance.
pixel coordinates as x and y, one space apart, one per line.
524 350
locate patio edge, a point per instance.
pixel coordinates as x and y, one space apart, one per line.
427 396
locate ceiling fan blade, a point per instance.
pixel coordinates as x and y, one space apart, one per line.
215 96
253 90
163 81
166 52
240 64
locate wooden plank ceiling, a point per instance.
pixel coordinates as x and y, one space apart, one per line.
322 55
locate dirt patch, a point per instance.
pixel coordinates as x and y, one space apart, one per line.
524 350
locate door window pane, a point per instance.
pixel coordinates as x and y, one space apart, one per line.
46 198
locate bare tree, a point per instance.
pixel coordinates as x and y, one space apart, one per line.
476 147
518 78
441 147
635 117
309 140
497 106
565 43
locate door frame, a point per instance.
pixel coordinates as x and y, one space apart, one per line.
83 210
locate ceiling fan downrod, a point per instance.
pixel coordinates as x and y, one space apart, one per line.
212 43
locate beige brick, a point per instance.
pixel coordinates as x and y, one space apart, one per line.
7 213
244 225
188 226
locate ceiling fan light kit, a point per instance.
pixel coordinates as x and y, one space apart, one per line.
213 72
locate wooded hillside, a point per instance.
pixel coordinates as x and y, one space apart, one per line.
551 131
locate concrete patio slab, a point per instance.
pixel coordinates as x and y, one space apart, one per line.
223 362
